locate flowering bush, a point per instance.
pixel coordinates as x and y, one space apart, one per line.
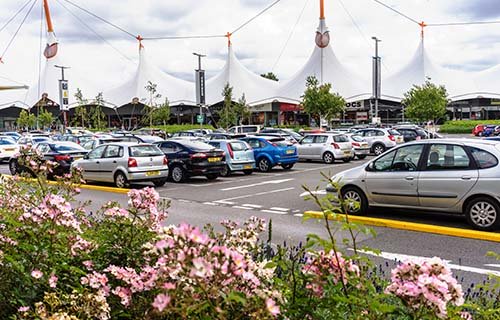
59 261
426 286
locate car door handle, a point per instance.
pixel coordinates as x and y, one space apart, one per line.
409 178
97 162
466 177
114 161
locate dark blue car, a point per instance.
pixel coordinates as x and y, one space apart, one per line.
272 151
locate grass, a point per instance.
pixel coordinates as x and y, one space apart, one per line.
464 126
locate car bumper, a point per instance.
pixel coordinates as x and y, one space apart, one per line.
147 175
241 166
203 170
287 160
342 154
360 152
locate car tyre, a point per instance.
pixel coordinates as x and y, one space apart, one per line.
226 172
346 160
247 172
483 213
264 165
121 180
212 176
378 149
13 167
355 194
328 158
159 182
178 174
287 166
361 157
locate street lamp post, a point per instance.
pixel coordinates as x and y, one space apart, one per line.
376 77
200 86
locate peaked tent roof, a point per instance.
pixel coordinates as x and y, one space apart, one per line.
487 84
176 90
241 79
421 69
324 65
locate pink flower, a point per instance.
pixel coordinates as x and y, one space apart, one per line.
88 264
272 307
161 302
53 281
23 309
37 274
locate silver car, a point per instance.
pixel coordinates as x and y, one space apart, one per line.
123 163
360 147
379 139
325 146
239 156
450 175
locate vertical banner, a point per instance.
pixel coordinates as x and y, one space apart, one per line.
63 95
200 87
376 79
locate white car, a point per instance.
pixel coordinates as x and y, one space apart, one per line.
8 148
325 146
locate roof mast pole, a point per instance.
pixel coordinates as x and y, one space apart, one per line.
50 28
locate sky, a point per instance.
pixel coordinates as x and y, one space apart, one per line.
280 40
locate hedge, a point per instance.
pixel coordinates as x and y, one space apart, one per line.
464 126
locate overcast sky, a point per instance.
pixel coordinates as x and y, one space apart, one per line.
352 23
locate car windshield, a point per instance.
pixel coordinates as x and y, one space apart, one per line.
145 151
65 148
340 138
4 142
40 139
238 146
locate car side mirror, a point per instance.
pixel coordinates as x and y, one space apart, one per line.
86 157
370 167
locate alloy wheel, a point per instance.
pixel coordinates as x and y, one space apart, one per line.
264 165
378 150
352 197
328 158
177 174
483 214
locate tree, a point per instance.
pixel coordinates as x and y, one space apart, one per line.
81 116
45 118
227 116
426 102
319 102
26 120
270 76
161 113
149 109
242 110
97 116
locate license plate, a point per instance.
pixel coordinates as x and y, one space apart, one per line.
347 152
77 158
216 159
9 149
290 151
248 166
152 173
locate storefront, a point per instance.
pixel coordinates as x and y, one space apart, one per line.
474 109
266 114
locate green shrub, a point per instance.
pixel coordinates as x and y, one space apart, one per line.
464 126
182 127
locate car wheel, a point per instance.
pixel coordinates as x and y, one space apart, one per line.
346 160
178 174
378 149
212 176
226 172
353 194
13 167
328 158
362 156
121 180
160 182
247 172
483 214
287 166
264 165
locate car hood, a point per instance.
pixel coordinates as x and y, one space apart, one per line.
346 176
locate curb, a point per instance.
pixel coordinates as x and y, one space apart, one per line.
412 226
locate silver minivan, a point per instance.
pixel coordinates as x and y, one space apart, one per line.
447 175
123 163
325 146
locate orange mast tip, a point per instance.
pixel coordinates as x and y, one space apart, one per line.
50 28
228 36
422 26
321 9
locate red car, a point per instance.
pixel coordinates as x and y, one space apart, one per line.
478 130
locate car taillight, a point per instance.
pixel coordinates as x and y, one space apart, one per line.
165 161
230 150
392 138
62 157
132 163
335 146
198 155
355 144
274 144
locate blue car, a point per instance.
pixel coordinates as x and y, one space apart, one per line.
239 156
272 151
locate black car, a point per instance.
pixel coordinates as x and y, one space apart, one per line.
412 133
62 152
192 158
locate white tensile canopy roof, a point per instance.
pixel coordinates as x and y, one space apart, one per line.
487 85
241 79
421 69
176 90
324 65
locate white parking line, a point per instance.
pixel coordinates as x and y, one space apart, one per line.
240 207
272 211
316 192
256 184
279 209
225 202
210 203
299 215
254 195
255 206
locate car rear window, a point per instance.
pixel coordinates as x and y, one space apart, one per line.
280 142
196 145
238 146
340 138
394 132
484 159
145 151
357 138
63 148
6 142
